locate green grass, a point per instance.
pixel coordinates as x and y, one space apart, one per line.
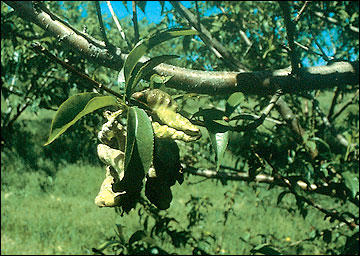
60 217
61 220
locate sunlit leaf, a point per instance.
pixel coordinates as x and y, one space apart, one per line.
74 108
219 141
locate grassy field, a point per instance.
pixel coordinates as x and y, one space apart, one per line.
60 217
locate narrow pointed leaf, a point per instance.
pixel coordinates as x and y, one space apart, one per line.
219 141
219 137
74 108
144 69
144 46
139 137
351 182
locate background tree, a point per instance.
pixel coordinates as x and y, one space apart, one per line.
253 57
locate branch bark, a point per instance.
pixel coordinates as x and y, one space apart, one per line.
207 82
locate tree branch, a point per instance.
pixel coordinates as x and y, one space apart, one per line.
290 33
207 82
214 45
331 189
135 21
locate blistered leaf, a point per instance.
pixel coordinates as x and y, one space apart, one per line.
74 108
165 108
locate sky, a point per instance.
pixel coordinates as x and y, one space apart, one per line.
152 10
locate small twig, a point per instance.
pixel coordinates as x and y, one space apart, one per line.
38 48
319 235
333 103
307 48
323 54
351 101
333 213
335 21
197 13
297 18
340 138
102 28
135 21
117 23
265 112
272 103
212 43
293 122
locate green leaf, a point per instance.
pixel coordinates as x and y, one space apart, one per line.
281 196
74 108
137 236
233 101
210 114
146 45
144 69
311 144
265 249
321 141
221 141
158 79
139 133
243 117
351 182
141 5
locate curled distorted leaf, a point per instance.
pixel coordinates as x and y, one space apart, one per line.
165 172
110 196
165 109
107 197
166 132
112 133
111 156
167 161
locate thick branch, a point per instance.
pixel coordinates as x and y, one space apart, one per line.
262 82
207 82
86 46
